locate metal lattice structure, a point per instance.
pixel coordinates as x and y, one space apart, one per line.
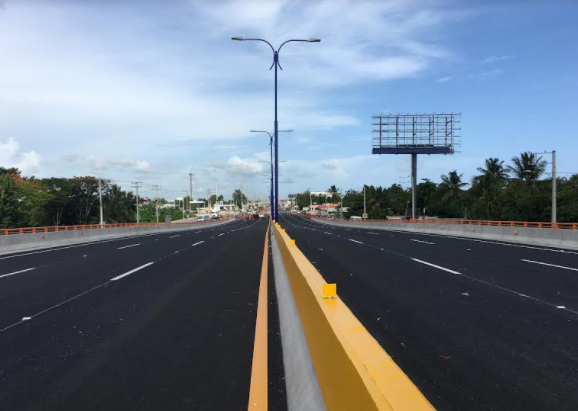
415 133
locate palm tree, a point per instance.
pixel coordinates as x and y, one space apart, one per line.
527 167
451 185
333 190
495 170
493 174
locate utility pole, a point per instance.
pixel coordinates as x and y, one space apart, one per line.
184 192
190 188
156 188
554 193
136 185
340 204
100 202
364 203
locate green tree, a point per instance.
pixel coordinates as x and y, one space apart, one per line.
239 198
9 194
527 167
334 193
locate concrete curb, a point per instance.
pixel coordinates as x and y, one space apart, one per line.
39 241
353 370
303 392
547 237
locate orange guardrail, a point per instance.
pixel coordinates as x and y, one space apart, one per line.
57 228
526 224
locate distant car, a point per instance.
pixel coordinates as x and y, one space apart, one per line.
355 217
215 216
261 215
204 217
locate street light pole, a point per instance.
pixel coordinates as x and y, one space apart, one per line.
276 64
271 198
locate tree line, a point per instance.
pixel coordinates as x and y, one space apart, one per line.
34 202
519 191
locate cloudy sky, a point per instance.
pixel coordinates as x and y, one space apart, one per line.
148 90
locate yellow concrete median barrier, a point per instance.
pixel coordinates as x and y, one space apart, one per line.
353 370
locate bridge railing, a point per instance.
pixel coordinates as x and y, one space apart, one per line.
58 228
526 224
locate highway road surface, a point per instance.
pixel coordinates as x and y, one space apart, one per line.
476 325
154 322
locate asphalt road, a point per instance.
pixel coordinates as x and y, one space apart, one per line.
163 321
477 325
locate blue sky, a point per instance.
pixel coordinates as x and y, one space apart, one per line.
148 90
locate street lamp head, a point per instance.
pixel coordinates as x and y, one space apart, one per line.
314 40
240 38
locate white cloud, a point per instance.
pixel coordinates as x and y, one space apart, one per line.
444 79
12 156
495 59
155 89
491 73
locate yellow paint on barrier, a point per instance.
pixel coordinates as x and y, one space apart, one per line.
353 370
258 391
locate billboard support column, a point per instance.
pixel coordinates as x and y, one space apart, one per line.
413 185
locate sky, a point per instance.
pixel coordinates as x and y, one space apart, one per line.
151 90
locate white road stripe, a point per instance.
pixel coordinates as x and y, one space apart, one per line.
326 232
500 287
17 272
131 272
200 242
419 241
355 241
550 265
128 246
221 234
437 266
370 232
174 236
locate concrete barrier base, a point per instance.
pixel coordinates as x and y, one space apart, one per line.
38 241
548 237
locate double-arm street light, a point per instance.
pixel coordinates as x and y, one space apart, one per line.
271 198
276 64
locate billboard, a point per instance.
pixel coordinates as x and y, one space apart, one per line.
415 133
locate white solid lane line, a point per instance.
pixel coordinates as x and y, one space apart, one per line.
550 265
131 272
200 242
437 266
128 246
174 236
419 241
17 272
355 241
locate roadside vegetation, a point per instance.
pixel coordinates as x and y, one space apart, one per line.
520 191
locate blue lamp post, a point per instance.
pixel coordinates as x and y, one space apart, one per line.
276 64
271 198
